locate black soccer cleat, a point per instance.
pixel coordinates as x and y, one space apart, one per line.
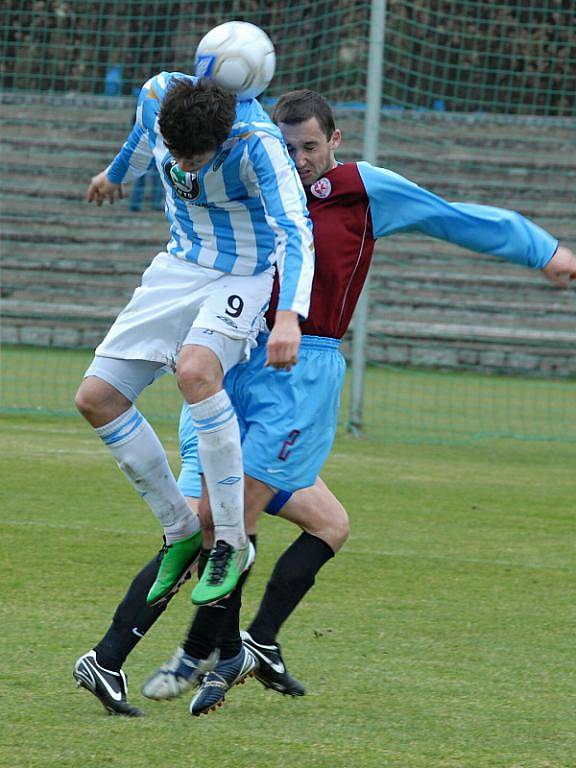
111 688
270 669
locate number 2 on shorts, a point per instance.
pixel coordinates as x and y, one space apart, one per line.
284 451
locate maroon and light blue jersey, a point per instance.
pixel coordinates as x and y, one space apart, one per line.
355 203
289 418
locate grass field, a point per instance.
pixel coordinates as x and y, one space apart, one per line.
441 637
401 404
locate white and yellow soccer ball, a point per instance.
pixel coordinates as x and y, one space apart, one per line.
237 55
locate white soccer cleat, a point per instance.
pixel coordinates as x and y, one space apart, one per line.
177 676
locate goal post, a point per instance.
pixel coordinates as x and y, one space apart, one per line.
370 154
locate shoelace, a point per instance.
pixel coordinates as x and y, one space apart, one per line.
163 550
219 562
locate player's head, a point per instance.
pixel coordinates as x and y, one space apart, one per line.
194 119
307 124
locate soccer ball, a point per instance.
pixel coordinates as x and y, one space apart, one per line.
238 56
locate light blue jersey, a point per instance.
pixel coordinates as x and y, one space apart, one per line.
243 212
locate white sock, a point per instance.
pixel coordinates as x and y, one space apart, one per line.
141 457
221 456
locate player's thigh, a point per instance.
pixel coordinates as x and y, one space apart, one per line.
129 377
207 356
257 495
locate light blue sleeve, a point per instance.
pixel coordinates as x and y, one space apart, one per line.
136 154
284 202
399 205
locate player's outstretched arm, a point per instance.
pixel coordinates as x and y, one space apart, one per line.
101 188
561 268
284 340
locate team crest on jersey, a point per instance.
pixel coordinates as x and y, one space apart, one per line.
321 188
185 184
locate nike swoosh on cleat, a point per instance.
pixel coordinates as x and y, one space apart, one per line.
116 695
277 667
274 665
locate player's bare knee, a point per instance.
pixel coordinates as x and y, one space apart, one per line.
84 399
340 529
329 523
198 379
99 402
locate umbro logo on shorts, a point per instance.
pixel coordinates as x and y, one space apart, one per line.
227 320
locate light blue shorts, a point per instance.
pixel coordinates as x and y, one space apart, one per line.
287 419
189 480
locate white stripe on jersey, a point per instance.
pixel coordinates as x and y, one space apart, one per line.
205 235
291 196
179 244
240 221
161 80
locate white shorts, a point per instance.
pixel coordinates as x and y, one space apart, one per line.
175 300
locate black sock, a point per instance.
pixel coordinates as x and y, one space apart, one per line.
202 560
230 641
293 575
132 619
218 626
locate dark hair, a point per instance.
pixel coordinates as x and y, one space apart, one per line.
195 117
298 106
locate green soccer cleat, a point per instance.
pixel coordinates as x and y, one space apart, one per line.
179 559
225 566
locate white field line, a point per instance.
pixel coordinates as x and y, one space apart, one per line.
453 559
28 427
98 451
77 527
346 550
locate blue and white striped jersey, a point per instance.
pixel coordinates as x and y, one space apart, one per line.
243 211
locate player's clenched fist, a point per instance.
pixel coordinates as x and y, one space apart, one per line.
101 188
561 268
284 341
